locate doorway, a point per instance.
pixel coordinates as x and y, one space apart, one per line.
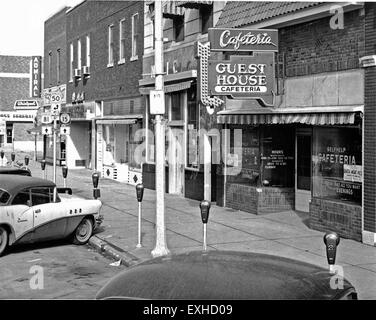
303 169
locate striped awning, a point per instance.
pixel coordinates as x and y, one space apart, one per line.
170 10
303 118
117 121
169 88
193 4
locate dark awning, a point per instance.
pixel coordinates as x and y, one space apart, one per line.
169 88
310 116
193 4
170 10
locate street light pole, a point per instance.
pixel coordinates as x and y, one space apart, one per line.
161 245
54 157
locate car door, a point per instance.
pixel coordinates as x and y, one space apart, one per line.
21 216
49 217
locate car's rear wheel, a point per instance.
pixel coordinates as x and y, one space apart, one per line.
3 240
83 231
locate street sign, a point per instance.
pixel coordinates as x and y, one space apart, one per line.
157 102
46 118
65 118
65 130
47 130
55 98
55 108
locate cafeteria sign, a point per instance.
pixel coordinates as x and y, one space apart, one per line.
250 77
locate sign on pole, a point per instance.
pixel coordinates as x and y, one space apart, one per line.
55 108
47 130
65 118
157 102
46 118
65 130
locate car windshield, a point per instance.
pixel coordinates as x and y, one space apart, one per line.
4 197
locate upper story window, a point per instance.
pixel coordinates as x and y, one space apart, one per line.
178 23
206 18
58 63
71 58
122 30
79 57
110 45
135 39
88 51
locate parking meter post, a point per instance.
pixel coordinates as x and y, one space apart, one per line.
96 191
65 174
331 241
12 157
43 167
2 157
140 194
205 208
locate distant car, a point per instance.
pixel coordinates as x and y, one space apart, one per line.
13 170
224 275
32 210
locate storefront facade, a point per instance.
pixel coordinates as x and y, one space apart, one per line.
306 151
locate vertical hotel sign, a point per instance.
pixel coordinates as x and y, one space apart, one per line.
244 77
36 76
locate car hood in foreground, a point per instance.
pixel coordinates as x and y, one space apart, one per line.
223 275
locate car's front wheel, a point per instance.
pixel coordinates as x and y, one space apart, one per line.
3 240
83 231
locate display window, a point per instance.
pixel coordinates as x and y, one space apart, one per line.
337 164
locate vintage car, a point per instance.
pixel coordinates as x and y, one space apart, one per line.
34 209
13 170
225 275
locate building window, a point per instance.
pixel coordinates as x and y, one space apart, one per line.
122 41
50 68
110 46
58 62
135 39
192 129
337 164
178 23
71 58
88 51
177 106
79 57
206 18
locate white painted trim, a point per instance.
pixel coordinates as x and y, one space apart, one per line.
14 75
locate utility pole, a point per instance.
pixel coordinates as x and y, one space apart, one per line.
54 157
161 245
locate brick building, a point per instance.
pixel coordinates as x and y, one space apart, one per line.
312 150
19 102
103 49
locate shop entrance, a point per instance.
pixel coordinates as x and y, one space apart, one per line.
303 169
176 160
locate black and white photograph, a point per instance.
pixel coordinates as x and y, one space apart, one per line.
187 155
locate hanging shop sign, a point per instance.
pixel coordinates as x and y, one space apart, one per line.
228 39
18 116
250 77
36 76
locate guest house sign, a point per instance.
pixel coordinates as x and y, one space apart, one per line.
240 77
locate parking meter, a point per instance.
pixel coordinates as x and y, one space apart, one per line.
2 154
140 192
96 191
13 157
27 160
205 207
140 195
331 241
43 166
65 173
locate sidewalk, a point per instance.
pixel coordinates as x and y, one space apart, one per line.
283 233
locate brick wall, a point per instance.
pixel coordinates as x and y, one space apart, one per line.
12 89
369 122
345 219
93 18
314 47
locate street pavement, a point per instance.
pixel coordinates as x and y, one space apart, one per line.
283 233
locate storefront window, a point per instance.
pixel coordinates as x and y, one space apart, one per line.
177 110
277 156
249 172
133 145
337 164
109 145
192 128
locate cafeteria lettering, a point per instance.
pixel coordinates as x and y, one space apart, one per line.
244 39
337 158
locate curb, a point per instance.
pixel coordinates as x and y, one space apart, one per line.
106 249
